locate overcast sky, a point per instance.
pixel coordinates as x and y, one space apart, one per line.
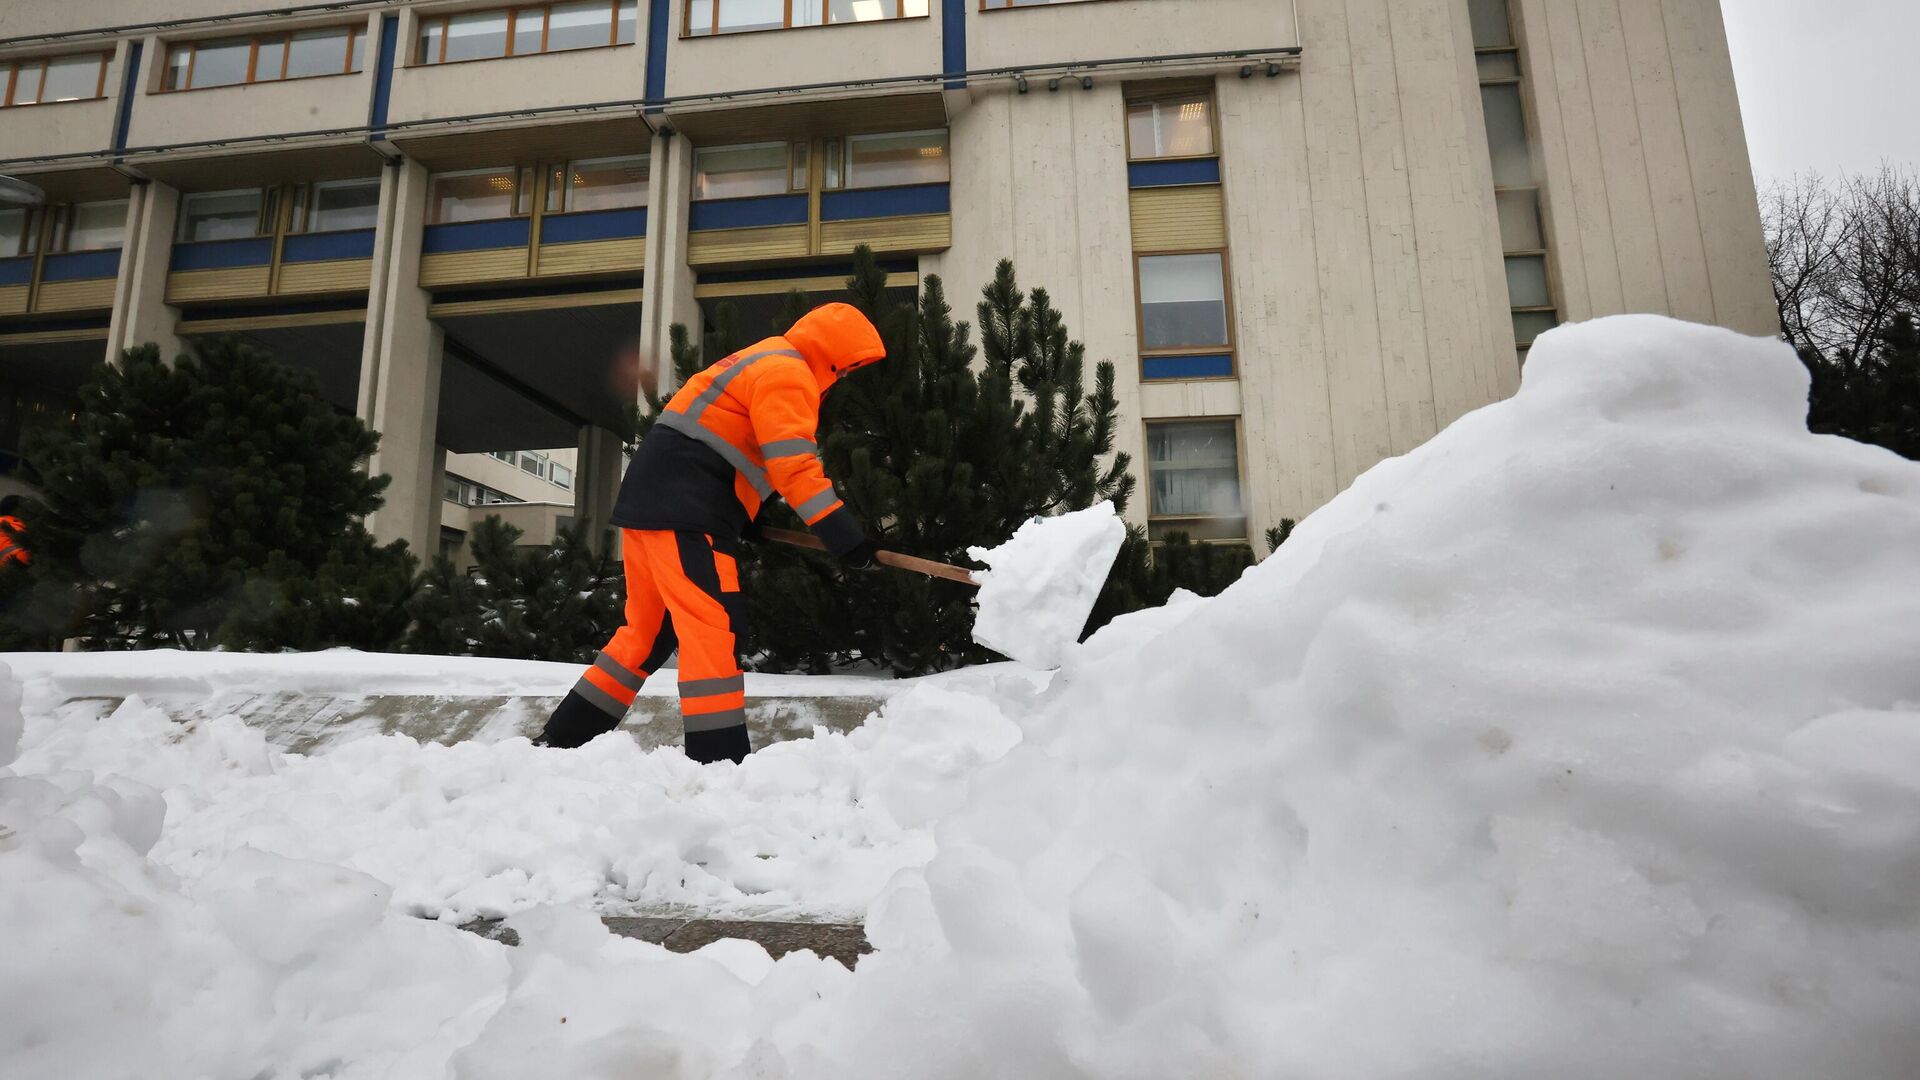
1827 85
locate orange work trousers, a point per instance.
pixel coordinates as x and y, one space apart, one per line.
681 592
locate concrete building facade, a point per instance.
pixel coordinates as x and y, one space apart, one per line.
1309 234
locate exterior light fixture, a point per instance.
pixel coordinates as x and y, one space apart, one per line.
1273 69
1246 71
1086 82
1020 84
1053 84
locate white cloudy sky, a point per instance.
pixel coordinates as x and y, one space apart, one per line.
1827 85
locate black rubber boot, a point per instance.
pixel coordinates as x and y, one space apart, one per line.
575 722
723 744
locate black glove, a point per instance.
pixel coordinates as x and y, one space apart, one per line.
864 556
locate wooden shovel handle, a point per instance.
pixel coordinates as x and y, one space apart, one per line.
884 558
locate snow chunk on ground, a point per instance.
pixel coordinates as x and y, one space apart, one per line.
1042 583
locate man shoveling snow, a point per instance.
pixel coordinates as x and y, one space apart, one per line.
735 435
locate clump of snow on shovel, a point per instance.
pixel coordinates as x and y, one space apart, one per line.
1035 599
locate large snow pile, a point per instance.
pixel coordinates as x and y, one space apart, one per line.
1042 584
1583 741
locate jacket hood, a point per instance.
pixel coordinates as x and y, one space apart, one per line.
836 339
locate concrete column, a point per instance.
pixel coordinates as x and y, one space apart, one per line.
140 311
596 480
669 279
400 369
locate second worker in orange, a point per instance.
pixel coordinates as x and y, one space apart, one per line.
735 435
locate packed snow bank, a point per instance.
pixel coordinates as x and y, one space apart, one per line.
1042 584
347 672
1583 741
812 827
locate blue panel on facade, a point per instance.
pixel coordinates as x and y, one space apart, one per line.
746 213
16 271
383 74
884 202
781 273
221 254
476 235
1170 173
82 266
594 225
319 247
128 94
953 42
657 50
1186 367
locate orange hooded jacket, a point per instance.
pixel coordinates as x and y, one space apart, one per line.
743 430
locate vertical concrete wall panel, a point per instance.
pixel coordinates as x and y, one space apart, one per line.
1287 426
1406 374
1683 257
1343 243
1722 171
1584 206
1623 158
1469 333
140 311
400 375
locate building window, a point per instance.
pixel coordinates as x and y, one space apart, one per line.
560 476
1193 471
524 31
893 159
90 226
1516 190
303 54
476 195
1183 302
459 489
224 215
708 17
736 172
338 206
18 225
47 79
604 184
1170 125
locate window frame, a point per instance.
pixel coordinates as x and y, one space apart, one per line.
14 64
60 236
1231 348
306 198
263 222
1147 95
352 53
788 144
714 31
845 149
417 51
566 168
524 179
1009 5
1239 469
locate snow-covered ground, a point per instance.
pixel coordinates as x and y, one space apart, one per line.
1582 741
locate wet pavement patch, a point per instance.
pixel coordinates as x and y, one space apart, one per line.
845 942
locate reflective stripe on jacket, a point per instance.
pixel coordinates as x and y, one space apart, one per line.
11 550
743 430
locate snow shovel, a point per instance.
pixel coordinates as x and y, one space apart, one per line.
884 558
